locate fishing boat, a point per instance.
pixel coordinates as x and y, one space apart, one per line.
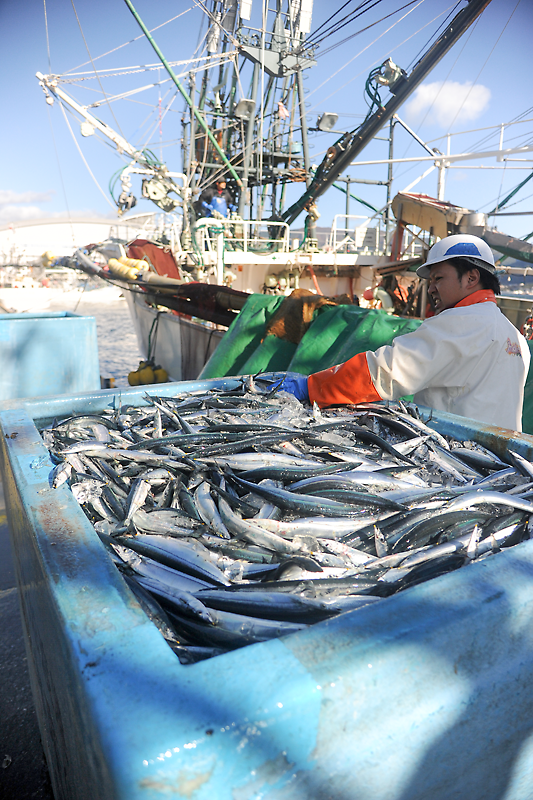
245 122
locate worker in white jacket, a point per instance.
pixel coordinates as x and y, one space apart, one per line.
468 359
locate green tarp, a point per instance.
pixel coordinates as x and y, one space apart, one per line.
340 332
527 408
336 334
243 337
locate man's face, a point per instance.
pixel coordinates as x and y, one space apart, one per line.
221 185
446 289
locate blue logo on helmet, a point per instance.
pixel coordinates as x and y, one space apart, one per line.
463 249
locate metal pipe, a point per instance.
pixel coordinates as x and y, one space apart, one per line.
350 145
441 180
451 159
413 134
248 145
389 182
303 127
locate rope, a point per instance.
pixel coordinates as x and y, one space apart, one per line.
218 59
509 196
131 40
88 51
47 37
153 330
61 176
84 160
483 67
206 354
353 35
381 35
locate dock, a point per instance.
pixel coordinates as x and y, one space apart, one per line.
23 770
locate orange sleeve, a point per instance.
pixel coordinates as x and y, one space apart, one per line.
345 384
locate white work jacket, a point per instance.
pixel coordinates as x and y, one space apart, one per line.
469 360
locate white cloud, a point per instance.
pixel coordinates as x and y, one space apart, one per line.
15 213
7 196
20 206
446 101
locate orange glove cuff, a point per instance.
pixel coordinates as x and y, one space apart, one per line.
345 384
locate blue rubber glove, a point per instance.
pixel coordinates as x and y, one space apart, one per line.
295 384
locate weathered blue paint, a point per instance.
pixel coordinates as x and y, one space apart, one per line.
47 353
423 695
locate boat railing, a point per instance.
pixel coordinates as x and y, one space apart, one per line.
363 239
355 237
244 235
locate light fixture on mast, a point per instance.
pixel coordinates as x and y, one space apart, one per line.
244 108
326 122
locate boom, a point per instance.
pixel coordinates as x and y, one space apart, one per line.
341 154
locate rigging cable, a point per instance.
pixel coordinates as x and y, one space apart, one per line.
477 78
510 195
261 117
84 160
113 72
484 65
361 53
432 38
88 51
312 41
61 177
216 22
159 122
334 15
53 134
47 38
363 30
127 43
404 155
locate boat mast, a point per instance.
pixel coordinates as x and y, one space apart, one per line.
254 128
341 154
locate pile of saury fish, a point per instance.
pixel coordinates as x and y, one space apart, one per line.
244 515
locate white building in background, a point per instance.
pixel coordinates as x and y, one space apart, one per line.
23 243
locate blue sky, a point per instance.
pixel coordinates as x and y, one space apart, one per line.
482 82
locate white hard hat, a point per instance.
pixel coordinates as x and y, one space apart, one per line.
461 245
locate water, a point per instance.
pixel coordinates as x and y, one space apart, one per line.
517 285
117 344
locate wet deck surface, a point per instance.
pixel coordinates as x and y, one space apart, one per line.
23 770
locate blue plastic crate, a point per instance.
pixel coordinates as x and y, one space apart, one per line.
47 353
426 694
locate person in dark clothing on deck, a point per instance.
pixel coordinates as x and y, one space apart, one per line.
217 201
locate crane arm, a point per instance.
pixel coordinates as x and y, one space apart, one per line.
341 154
50 86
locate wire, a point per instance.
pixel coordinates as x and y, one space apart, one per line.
216 22
47 37
315 42
61 177
331 17
217 59
484 65
88 51
438 93
84 160
323 100
512 194
363 30
141 36
432 38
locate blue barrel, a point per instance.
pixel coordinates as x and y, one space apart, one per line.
47 353
426 694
